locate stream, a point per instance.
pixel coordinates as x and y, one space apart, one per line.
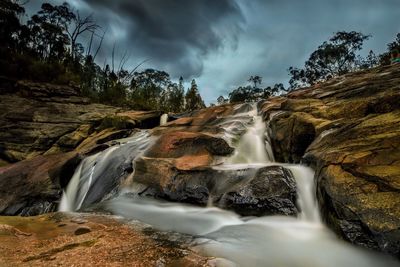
234 240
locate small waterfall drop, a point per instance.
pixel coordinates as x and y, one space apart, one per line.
100 174
251 147
163 119
306 199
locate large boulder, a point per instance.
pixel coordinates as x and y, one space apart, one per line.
33 187
271 191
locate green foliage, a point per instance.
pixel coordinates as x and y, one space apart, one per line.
334 57
253 93
392 49
147 87
222 100
193 98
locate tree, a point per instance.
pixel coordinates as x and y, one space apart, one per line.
255 80
10 25
221 100
173 98
176 97
79 26
384 59
334 57
370 61
147 87
193 98
249 93
48 27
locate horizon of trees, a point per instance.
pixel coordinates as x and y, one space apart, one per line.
337 56
48 47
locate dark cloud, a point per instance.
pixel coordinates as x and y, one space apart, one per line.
222 42
176 34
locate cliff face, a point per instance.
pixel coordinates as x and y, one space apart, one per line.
348 129
42 119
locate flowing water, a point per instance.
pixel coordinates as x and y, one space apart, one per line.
274 241
163 119
97 176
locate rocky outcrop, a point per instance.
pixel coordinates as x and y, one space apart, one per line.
33 187
348 129
41 119
90 240
271 191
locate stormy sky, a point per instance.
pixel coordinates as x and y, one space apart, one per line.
221 43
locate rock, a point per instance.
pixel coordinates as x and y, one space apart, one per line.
38 241
32 187
269 190
82 230
164 181
178 144
272 191
52 119
348 129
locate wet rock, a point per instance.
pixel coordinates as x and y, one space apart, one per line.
272 191
32 187
181 143
269 190
163 180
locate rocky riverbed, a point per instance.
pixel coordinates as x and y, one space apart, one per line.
346 129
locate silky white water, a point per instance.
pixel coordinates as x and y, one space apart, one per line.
163 119
270 241
95 172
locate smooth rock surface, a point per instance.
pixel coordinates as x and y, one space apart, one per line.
51 240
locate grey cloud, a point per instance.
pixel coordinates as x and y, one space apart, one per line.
174 34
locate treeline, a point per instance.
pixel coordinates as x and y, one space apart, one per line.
337 56
47 47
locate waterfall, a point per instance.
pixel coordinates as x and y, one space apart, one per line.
251 147
267 241
163 119
306 200
99 175
254 150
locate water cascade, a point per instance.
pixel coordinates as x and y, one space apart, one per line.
163 119
240 241
98 176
